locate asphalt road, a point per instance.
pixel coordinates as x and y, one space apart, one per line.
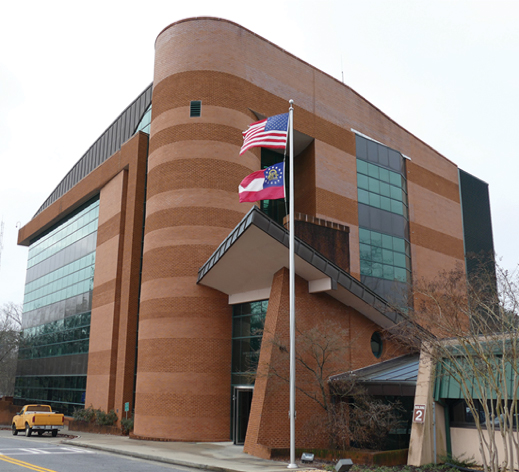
47 454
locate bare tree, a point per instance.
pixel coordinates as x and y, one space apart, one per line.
473 338
321 352
359 419
10 336
346 410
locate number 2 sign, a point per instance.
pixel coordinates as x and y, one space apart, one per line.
419 414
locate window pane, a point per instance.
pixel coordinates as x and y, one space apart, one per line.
385 203
388 272
374 185
400 274
376 239
374 200
399 244
395 179
376 254
362 166
384 174
365 252
363 196
365 267
385 189
396 207
400 259
373 171
377 270
364 236
387 256
396 193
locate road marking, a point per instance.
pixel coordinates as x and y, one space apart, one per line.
77 450
24 451
10 460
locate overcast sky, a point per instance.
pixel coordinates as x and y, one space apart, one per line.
447 71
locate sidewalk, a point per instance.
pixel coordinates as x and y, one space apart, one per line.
222 457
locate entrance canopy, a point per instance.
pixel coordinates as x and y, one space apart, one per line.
393 377
244 264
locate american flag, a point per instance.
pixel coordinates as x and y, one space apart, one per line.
270 133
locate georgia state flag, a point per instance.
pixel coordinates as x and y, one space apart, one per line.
266 184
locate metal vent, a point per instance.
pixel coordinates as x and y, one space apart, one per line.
196 108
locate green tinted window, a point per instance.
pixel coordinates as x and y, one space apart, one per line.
384 256
63 393
247 332
381 188
61 263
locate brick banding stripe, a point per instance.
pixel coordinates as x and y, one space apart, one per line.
205 355
175 261
228 91
196 173
337 207
109 229
193 216
196 132
436 241
104 294
433 182
183 307
182 406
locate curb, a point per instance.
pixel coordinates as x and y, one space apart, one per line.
138 455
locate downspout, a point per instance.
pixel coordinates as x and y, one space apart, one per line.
434 431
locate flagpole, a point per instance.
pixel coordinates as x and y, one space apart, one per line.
291 228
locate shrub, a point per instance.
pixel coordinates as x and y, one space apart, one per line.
84 414
91 414
126 425
106 419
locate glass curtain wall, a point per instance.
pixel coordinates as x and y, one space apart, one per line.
52 360
247 331
385 251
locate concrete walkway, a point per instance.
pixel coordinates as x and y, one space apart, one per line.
224 457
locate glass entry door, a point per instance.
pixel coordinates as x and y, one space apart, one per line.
242 400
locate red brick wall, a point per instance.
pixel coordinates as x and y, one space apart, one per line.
269 423
328 238
113 330
263 79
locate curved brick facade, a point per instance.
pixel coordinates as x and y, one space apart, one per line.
193 173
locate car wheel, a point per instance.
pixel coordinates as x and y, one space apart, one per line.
28 430
14 430
54 433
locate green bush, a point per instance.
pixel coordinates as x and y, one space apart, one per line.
91 414
126 425
106 419
84 414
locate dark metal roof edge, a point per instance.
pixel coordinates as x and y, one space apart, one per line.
376 367
307 253
81 169
411 383
473 176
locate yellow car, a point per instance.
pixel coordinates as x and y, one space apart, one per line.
38 418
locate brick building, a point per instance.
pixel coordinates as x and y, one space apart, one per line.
149 284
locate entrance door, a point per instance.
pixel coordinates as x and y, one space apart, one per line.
242 400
